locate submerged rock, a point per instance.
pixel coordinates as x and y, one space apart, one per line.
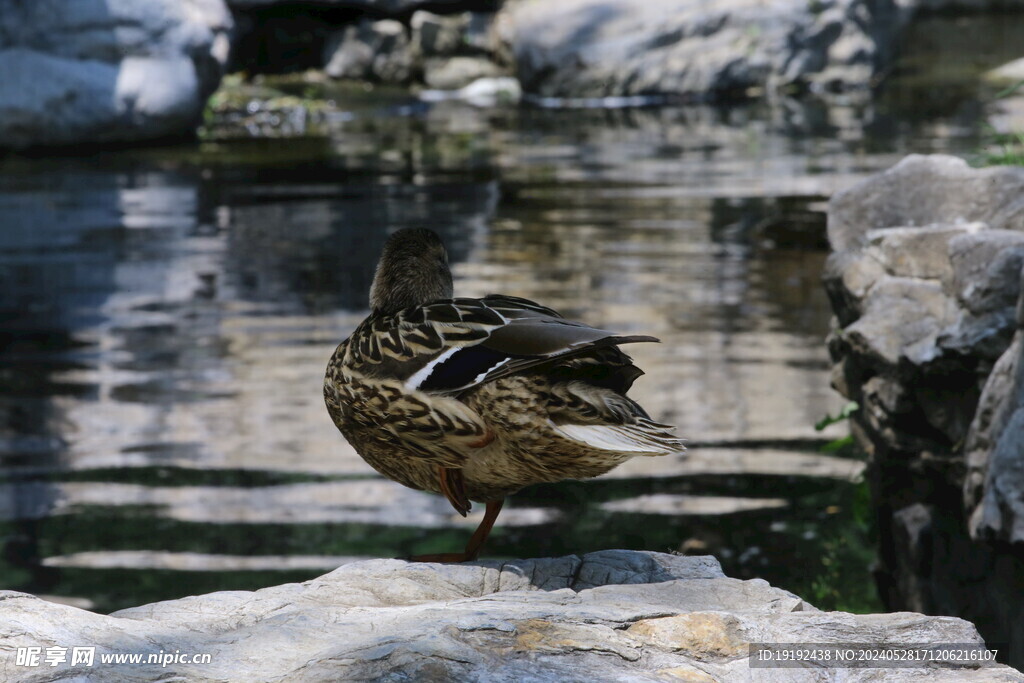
113 71
482 92
925 282
607 616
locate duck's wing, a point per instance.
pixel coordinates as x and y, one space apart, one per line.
406 372
375 378
452 346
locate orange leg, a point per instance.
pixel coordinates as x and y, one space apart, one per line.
476 541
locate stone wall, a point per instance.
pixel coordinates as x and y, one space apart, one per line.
925 282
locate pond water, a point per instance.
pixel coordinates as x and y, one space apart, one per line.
168 314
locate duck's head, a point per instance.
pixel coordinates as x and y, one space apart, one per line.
412 271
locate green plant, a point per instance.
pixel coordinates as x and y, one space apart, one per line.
1006 92
842 443
1003 149
842 580
1009 150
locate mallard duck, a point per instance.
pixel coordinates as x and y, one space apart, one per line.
477 398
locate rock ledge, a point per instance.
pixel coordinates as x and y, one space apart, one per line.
611 615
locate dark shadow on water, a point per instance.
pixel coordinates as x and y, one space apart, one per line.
813 546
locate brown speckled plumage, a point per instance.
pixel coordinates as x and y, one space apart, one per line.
478 398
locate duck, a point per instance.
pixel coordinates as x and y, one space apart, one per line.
477 398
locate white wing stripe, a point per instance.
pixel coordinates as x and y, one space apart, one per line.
480 378
421 375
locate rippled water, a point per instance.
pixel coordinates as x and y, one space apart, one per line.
167 316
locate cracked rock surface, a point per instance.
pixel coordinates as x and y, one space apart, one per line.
608 616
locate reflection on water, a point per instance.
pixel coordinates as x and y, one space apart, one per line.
167 317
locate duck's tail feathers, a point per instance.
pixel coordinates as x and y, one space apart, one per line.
644 437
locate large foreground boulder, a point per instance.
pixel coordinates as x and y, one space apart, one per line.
925 282
97 71
608 616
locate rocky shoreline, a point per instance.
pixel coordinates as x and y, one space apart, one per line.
608 616
121 72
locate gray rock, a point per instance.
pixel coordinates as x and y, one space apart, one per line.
466 34
924 190
940 285
918 252
450 35
913 532
456 49
451 73
848 275
107 71
594 48
925 281
449 52
478 35
373 51
608 616
435 35
986 267
921 308
995 453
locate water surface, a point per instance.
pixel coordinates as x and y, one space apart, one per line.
168 314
